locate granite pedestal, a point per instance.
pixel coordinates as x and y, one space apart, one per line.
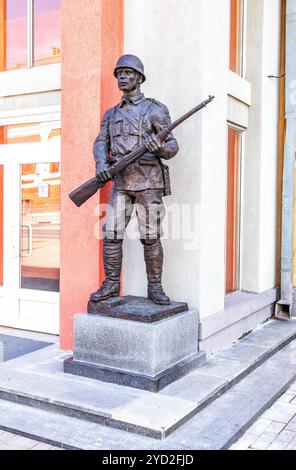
132 341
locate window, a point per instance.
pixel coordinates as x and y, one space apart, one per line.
233 211
30 33
236 36
47 27
29 133
1 222
2 140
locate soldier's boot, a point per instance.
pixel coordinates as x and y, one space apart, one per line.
112 252
153 254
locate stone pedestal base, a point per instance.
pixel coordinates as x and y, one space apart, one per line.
131 341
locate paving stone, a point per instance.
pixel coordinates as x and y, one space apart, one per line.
225 368
18 443
281 412
263 441
148 413
43 446
29 360
276 427
291 426
266 334
195 386
291 445
244 352
286 398
277 445
286 435
213 428
282 440
259 426
123 404
244 442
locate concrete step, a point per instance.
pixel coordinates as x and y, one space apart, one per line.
215 427
37 380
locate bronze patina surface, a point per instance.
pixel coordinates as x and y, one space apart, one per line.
135 308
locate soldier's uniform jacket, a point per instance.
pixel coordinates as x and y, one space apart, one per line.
123 129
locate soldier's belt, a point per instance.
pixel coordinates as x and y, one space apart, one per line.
147 156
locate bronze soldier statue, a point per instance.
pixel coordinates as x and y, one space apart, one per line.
134 121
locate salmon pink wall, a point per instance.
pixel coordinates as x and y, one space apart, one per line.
92 40
1 223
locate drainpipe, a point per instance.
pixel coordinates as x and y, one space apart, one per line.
284 305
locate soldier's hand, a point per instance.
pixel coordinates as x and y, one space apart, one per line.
153 144
103 176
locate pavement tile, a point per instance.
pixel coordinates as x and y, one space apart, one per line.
196 387
270 334
225 368
14 442
244 442
263 441
282 440
6 437
213 426
292 445
281 412
42 446
157 415
243 352
276 427
286 398
291 426
277 445
286 435
259 426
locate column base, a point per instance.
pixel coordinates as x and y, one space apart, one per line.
135 380
132 341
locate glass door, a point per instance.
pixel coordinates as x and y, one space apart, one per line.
31 254
40 226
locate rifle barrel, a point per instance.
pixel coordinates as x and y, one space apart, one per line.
190 113
141 150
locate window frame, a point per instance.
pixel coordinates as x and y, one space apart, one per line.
30 34
241 40
29 38
239 228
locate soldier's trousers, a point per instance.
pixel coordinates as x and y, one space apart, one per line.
150 212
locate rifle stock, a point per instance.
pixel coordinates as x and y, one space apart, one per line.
81 194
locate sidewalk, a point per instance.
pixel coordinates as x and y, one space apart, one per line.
9 441
207 409
275 429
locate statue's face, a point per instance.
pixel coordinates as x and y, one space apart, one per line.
128 79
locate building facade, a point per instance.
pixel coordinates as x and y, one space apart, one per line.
221 234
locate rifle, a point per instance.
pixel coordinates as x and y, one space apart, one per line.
81 194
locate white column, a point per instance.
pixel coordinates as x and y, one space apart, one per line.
184 47
260 159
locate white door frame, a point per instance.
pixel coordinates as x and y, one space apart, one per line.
12 297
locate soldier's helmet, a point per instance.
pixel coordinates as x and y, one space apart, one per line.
132 62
